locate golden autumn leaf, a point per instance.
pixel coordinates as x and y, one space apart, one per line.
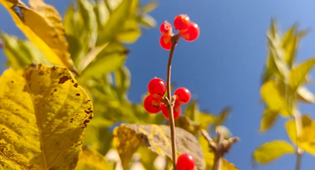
44 114
42 25
307 138
268 119
271 151
128 137
90 159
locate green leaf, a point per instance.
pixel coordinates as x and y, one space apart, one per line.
271 151
130 32
205 119
223 115
147 157
128 137
147 21
21 53
192 110
89 20
46 106
97 133
109 59
90 159
113 24
298 74
276 64
101 13
149 7
268 120
123 79
274 99
304 95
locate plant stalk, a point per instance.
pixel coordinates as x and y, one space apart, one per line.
170 104
298 123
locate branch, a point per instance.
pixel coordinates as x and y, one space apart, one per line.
220 148
170 100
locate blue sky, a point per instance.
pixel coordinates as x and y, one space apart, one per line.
223 66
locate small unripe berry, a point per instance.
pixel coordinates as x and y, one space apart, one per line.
166 28
181 22
152 105
191 33
183 95
185 162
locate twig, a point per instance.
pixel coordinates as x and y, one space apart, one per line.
220 148
298 123
170 100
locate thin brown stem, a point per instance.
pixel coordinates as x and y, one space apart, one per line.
170 101
298 123
217 162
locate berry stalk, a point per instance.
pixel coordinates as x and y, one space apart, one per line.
170 100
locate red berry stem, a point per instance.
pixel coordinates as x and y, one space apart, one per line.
171 100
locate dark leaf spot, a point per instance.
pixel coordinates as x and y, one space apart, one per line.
63 79
78 94
41 73
75 85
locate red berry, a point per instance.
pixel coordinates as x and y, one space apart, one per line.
166 28
192 33
165 42
176 110
151 104
181 22
182 95
185 162
157 87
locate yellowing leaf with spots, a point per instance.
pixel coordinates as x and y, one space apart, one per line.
42 25
128 137
44 114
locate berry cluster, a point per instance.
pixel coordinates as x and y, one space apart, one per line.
154 102
188 30
185 162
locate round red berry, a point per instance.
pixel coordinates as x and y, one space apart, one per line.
166 28
185 162
183 95
181 22
157 87
165 42
176 110
151 104
192 33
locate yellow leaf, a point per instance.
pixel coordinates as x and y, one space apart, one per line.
21 53
304 95
128 137
268 119
44 114
274 99
43 27
90 159
226 165
298 74
307 139
271 151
